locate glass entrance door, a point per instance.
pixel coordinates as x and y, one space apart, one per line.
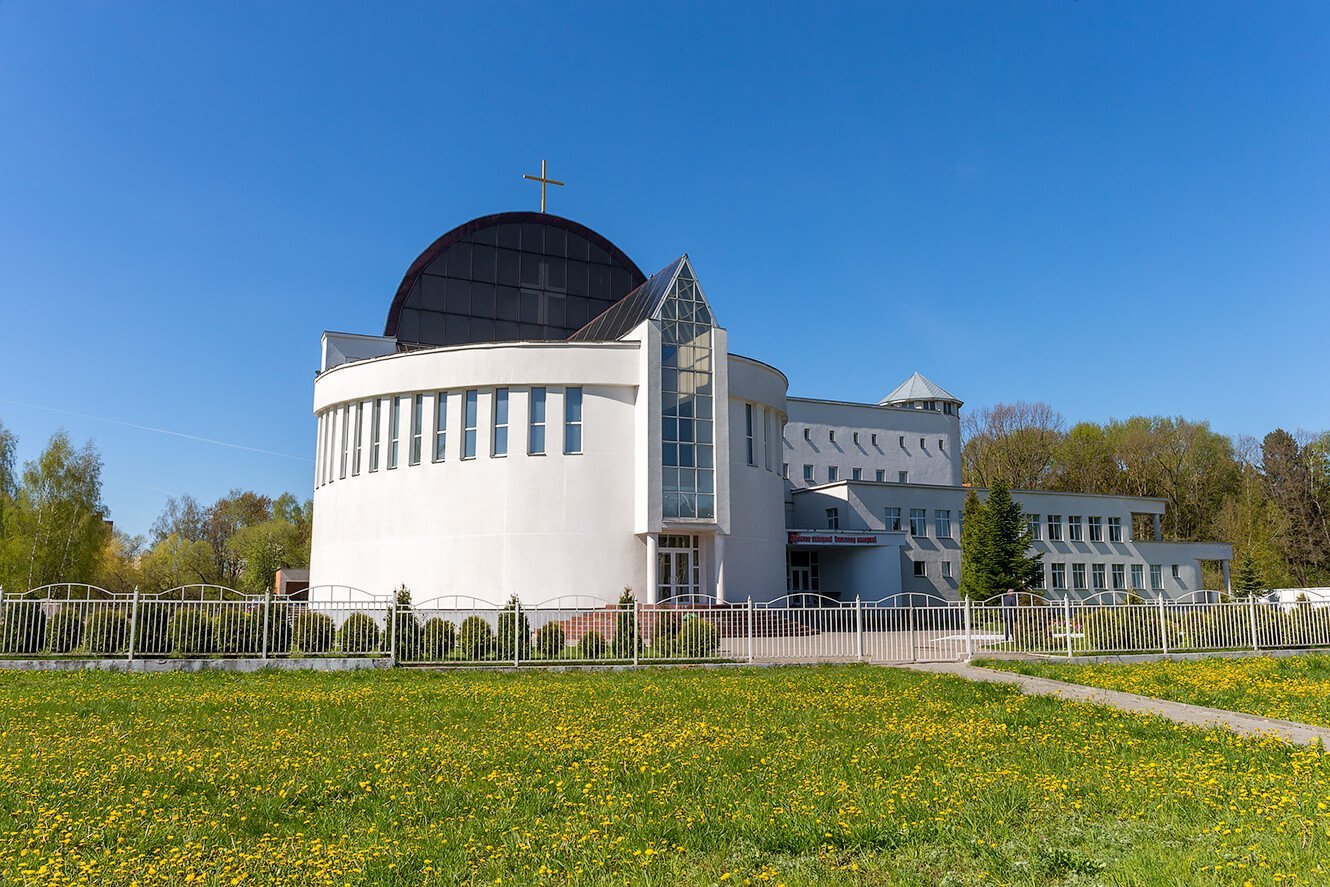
678 568
801 579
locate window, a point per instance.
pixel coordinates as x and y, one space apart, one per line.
902 477
1096 529
831 435
1176 575
470 412
748 431
535 435
345 449
856 474
893 520
1138 577
417 427
833 518
1078 577
921 444
785 470
942 521
1039 575
902 441
572 421
873 439
1115 529
1060 576
440 424
1074 527
1033 521
767 435
946 569
688 414
881 476
1097 576
808 434
832 473
1156 577
394 430
920 569
499 446
918 522
355 451
375 424
855 438
948 407
940 446
808 474
1119 577
1055 528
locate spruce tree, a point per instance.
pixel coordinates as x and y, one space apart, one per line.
1248 579
976 553
1009 540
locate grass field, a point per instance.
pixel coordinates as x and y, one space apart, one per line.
848 774
1294 688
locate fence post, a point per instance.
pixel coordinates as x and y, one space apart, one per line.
636 638
267 620
909 615
750 629
859 627
1066 611
1255 640
969 633
2 620
1163 630
133 622
517 631
397 629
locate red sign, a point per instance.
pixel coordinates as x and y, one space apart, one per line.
832 537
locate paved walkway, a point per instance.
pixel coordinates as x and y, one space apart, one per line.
1181 712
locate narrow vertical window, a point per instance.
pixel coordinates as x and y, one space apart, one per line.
376 423
345 448
535 443
330 448
572 420
318 452
748 431
359 431
394 430
500 445
469 414
833 518
440 424
942 521
417 427
768 432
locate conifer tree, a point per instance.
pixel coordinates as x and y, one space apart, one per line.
976 554
995 546
1248 580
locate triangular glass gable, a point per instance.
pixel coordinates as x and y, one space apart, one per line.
688 459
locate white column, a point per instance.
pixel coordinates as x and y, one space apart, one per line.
1159 532
1228 583
719 542
653 578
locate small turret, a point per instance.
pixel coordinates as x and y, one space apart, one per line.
919 393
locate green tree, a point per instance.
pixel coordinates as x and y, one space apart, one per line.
174 562
8 480
998 546
976 556
260 550
1247 580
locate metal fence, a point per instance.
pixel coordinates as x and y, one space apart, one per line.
76 621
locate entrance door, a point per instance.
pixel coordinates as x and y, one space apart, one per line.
677 568
801 579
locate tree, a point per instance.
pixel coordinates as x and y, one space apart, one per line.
183 517
1248 580
260 550
174 562
1290 482
1013 443
976 556
8 481
998 546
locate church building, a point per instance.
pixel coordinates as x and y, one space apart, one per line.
541 418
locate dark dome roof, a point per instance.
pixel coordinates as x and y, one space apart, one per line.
509 277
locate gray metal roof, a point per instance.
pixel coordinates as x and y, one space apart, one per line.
623 316
918 388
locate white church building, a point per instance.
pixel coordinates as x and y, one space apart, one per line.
540 418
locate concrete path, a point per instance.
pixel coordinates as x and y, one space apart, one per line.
1181 712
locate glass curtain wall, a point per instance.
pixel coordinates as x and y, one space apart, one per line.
688 486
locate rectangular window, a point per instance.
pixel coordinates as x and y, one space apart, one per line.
1033 521
572 421
832 473
535 443
920 569
345 449
500 409
918 522
417 427
1096 529
1078 577
470 416
359 429
921 444
318 451
1060 576
1156 577
1119 577
376 423
940 442
394 430
748 431
1176 574
902 441
855 438
1055 528
902 477
1074 527
785 470
1039 575
881 476
1138 577
1115 529
808 434
808 474
942 522
873 440
893 520
833 518
946 569
856 474
1097 576
440 425
831 435
767 434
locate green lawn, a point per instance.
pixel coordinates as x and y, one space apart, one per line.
1294 688
847 774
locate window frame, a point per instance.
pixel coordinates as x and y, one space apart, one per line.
440 426
539 395
500 413
573 395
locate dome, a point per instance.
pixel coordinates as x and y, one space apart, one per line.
509 277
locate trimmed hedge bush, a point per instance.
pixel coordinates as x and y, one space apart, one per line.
312 632
697 638
239 632
551 640
359 634
591 645
475 638
22 628
191 632
64 630
437 639
107 632
150 636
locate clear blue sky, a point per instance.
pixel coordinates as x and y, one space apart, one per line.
1115 208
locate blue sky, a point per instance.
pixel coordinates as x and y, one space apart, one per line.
1115 208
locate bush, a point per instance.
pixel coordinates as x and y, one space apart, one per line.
239 632
150 638
437 639
191 632
514 631
312 632
279 628
409 639
22 627
591 645
107 632
627 637
551 640
664 627
359 634
1121 628
697 638
475 638
64 630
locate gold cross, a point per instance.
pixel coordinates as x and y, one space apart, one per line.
543 182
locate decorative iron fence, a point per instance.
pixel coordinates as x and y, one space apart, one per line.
76 621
